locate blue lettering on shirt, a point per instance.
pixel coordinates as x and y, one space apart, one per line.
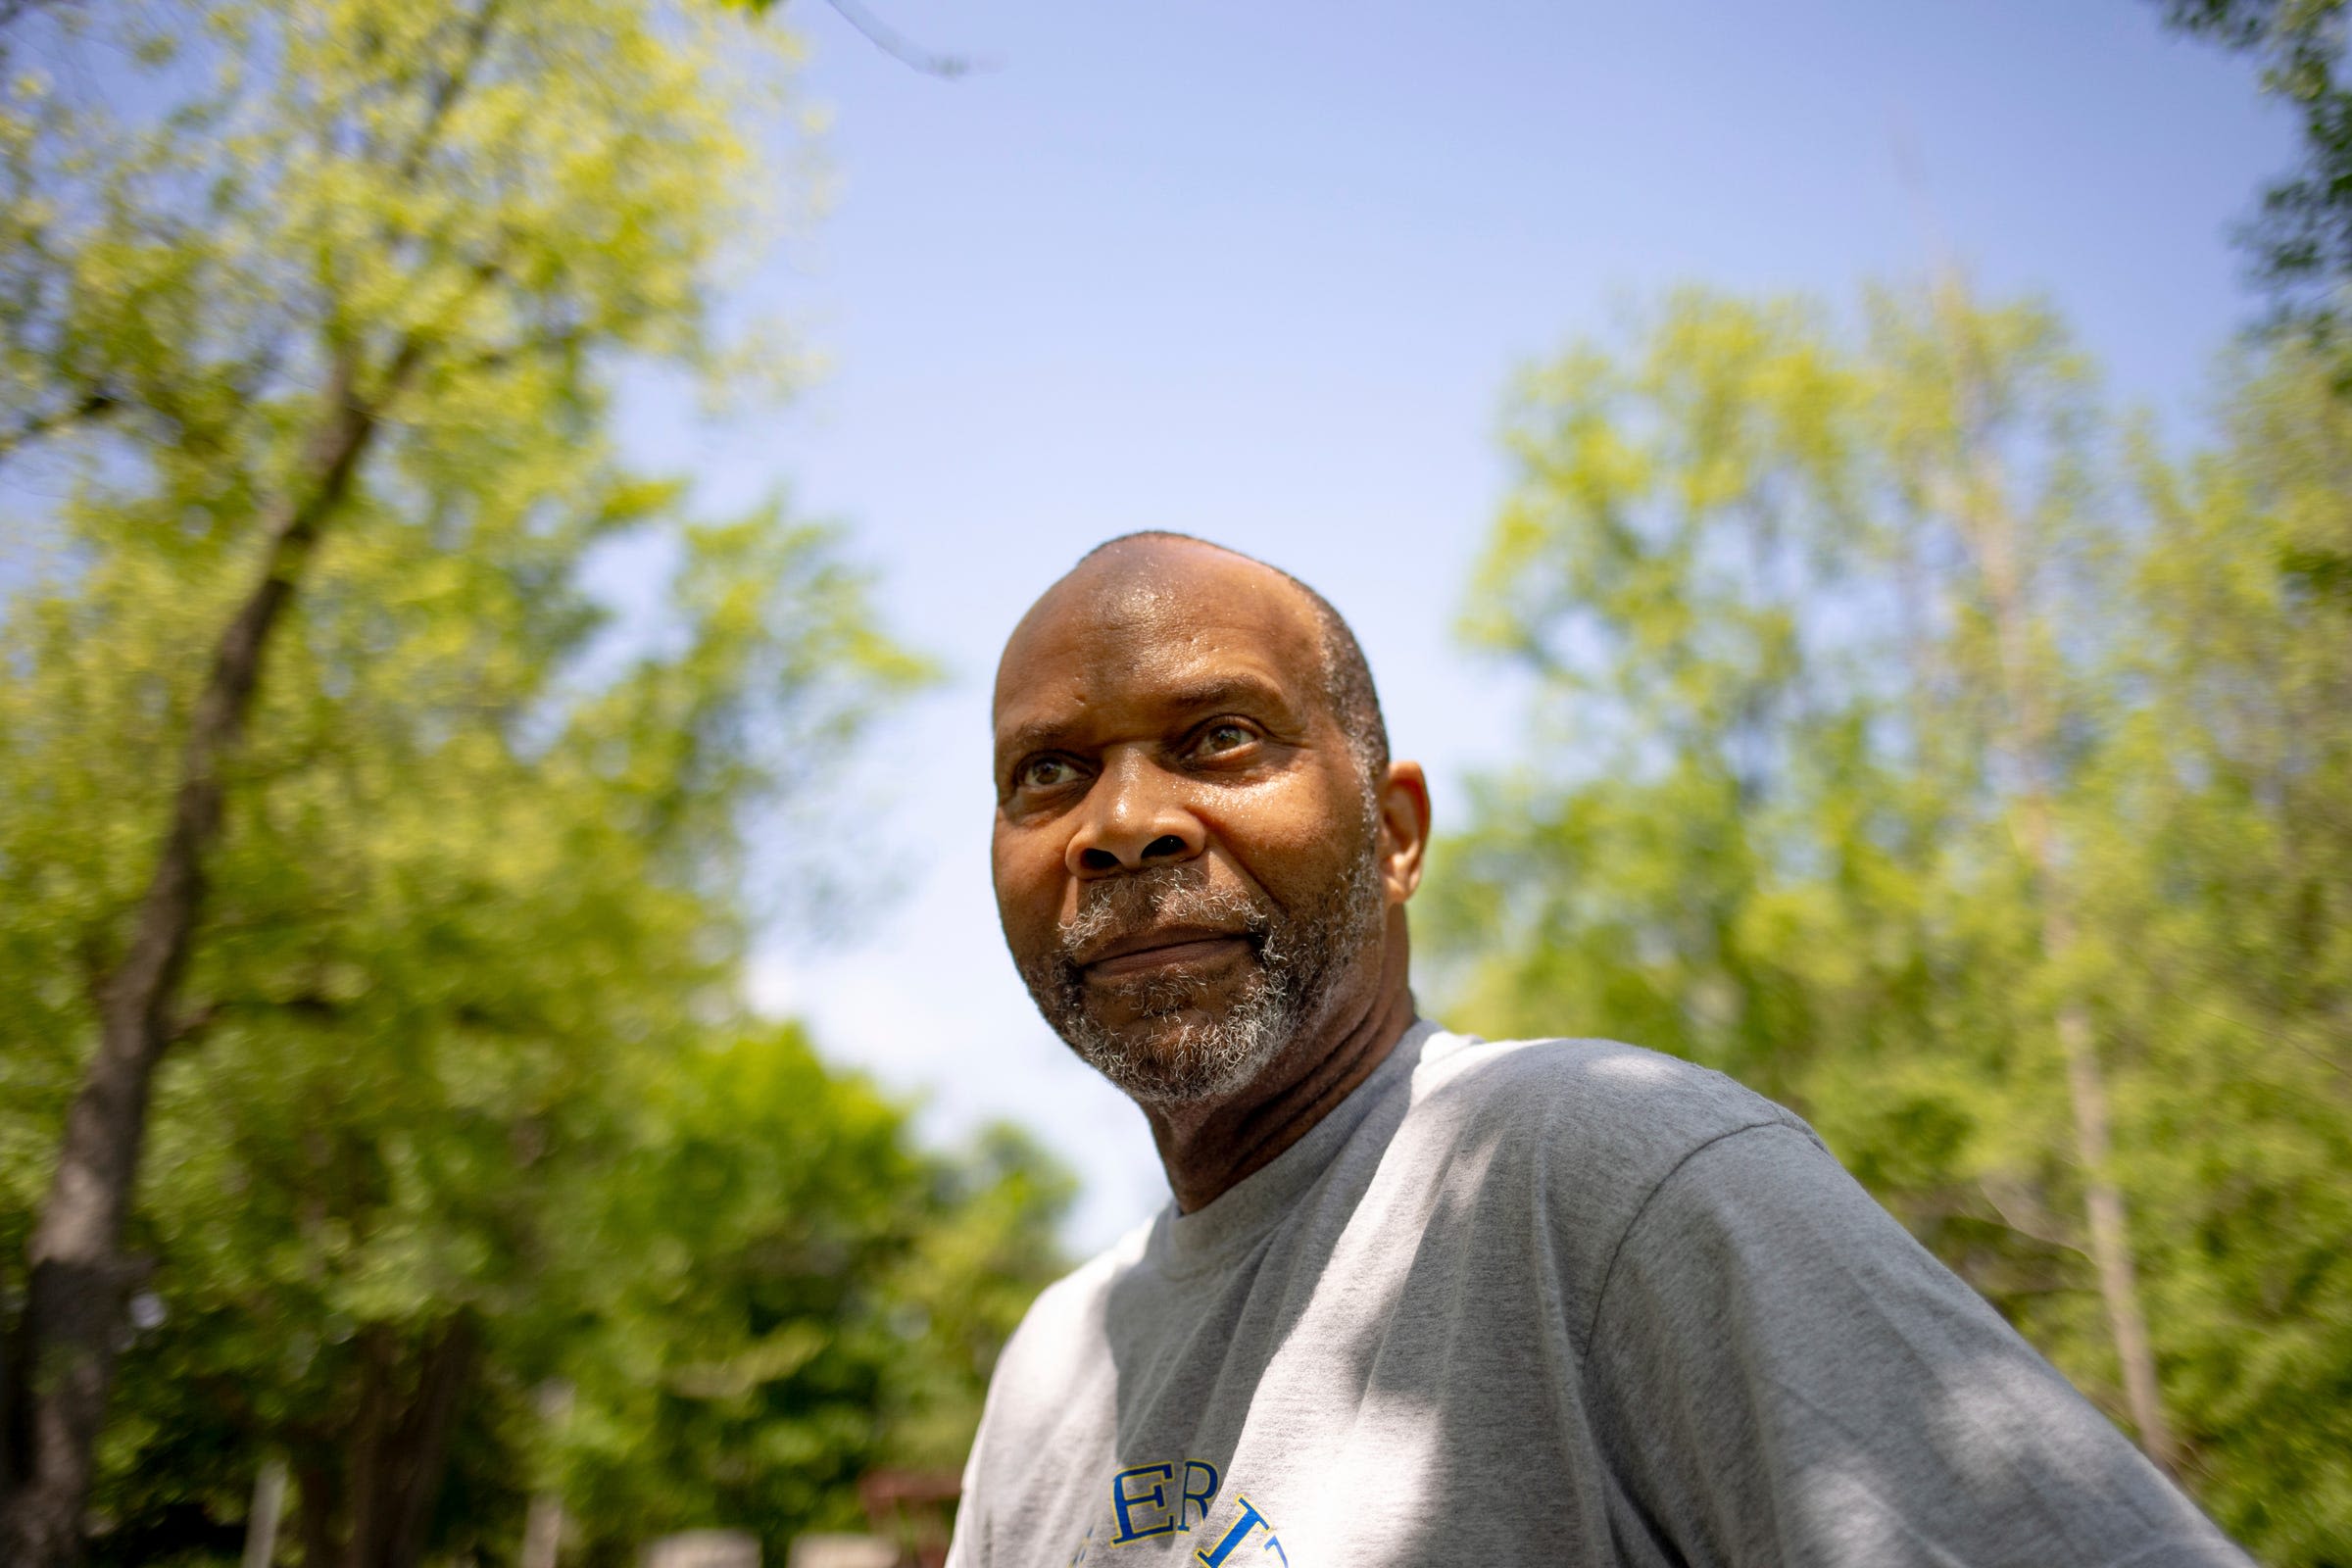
1123 1502
1201 1482
1250 1520
1141 1509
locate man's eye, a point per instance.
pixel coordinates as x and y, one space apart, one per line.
1224 737
1045 772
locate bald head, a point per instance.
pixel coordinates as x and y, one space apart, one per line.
1143 575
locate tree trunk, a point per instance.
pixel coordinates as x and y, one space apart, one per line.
261 1520
543 1524
318 1505
2087 1093
62 1362
400 1451
2102 1199
2111 1243
2028 732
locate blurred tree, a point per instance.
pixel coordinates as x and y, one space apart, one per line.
817 1300
311 314
2218 884
2302 238
318 238
1882 760
463 911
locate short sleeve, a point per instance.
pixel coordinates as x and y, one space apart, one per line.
1781 1374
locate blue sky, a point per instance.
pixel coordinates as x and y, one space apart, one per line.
1263 273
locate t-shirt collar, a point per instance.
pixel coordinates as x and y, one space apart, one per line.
1210 1236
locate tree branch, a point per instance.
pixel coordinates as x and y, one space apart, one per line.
883 36
95 404
450 87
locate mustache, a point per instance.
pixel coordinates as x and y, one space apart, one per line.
1163 894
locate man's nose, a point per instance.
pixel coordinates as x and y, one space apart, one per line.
1135 817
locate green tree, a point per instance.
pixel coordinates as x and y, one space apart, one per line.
777 1293
326 851
462 910
1870 725
2302 236
2219 902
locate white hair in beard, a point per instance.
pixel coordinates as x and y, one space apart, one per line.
1176 1050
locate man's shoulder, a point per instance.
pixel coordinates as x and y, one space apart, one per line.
1073 1301
1585 1128
1625 1112
1065 1322
1591 1087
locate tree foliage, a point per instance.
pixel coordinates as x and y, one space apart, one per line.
462 1104
2302 235
1893 710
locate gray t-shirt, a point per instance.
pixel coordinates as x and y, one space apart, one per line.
1544 1302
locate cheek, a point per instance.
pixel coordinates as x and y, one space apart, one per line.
1031 888
1295 842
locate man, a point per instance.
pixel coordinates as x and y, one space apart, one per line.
1422 1299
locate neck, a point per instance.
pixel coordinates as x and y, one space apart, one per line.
1209 1149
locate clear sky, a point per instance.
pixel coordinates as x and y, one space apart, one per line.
1264 271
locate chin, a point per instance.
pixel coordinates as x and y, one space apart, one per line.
1192 1057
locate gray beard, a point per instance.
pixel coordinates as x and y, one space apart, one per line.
1176 1050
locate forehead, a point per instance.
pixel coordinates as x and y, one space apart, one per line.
1153 626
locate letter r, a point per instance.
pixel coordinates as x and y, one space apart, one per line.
1200 1483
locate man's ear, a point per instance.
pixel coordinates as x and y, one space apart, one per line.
1404 829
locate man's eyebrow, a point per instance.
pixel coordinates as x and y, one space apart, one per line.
1040 736
1225 691
1199 696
